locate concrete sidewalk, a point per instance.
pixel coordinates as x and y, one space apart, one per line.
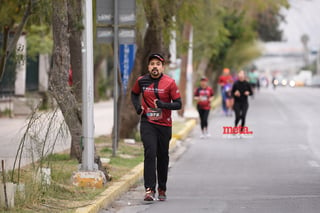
12 130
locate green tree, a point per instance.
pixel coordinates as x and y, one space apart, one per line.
12 24
39 40
267 23
225 33
59 75
36 18
235 33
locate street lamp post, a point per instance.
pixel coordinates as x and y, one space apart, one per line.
87 90
88 174
115 80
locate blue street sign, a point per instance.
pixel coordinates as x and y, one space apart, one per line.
126 62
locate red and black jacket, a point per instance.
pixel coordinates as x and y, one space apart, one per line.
164 89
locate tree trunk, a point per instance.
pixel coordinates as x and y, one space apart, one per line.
128 116
201 70
184 64
9 47
59 76
75 29
96 76
153 42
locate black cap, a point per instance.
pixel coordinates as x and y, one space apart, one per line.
156 56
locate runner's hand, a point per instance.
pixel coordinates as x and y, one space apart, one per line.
140 110
158 103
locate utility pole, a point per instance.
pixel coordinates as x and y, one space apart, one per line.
318 62
88 174
115 80
87 90
190 70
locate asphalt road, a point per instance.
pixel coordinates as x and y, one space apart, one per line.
276 170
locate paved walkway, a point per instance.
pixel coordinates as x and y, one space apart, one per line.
12 130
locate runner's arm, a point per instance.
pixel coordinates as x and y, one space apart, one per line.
136 102
174 105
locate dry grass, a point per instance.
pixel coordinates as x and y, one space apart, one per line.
61 195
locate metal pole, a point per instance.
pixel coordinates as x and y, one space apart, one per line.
87 90
115 81
190 70
173 45
318 62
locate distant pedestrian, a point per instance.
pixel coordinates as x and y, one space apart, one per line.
204 95
160 95
253 79
228 98
241 90
275 82
224 79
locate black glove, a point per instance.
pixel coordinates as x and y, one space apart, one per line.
160 104
175 105
139 110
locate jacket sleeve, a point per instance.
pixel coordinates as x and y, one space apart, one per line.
174 105
250 89
234 88
136 102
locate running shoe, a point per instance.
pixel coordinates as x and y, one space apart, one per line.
208 135
162 195
149 196
202 136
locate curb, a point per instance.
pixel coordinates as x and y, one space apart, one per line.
115 190
182 134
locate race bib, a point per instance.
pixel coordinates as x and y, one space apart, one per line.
203 98
154 113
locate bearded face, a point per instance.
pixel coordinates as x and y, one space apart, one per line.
155 68
155 72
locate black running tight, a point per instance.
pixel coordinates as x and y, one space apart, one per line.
240 110
204 114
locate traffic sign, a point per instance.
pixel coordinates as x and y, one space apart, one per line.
106 35
126 11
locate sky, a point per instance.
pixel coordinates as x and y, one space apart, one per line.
303 17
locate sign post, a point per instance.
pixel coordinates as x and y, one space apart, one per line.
115 82
126 62
115 21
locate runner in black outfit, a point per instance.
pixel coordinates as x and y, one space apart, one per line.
160 95
241 90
